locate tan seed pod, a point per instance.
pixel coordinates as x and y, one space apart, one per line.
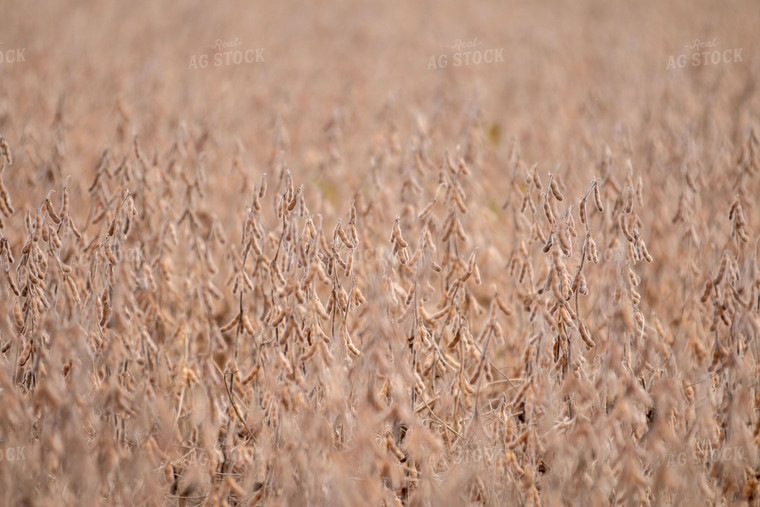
311 351
558 264
343 237
460 203
645 252
294 200
429 240
17 314
168 473
582 287
274 414
349 265
628 200
254 246
465 386
564 242
520 440
724 316
188 376
275 270
25 354
7 206
12 284
460 231
524 203
350 345
38 226
585 336
279 317
536 178
515 263
624 227
6 150
51 212
358 296
403 256
352 212
256 203
633 252
582 210
721 269
391 446
448 232
742 234
557 287
397 235
262 186
109 252
440 313
732 210
554 187
247 325
598 198
523 249
532 207
452 339
639 319
635 280
538 232
549 243
426 211
463 167
450 163
106 314
570 311
512 459
523 272
55 239
548 212
116 223
227 327
571 224
285 362
410 295
593 257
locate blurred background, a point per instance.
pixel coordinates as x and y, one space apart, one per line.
571 71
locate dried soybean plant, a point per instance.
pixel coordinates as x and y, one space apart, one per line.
186 323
